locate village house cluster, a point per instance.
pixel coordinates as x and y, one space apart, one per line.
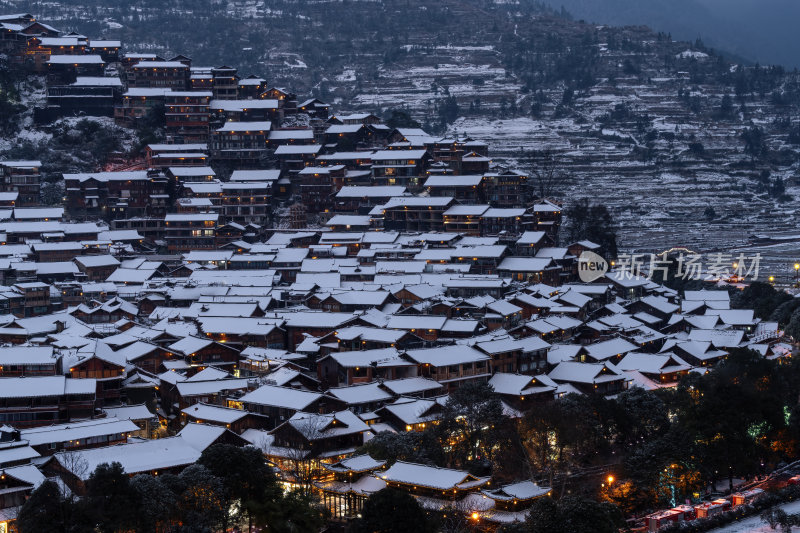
163 310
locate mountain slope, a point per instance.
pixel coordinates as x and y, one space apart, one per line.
757 30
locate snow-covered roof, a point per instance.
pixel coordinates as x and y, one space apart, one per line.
413 385
245 127
97 81
315 426
135 457
361 393
209 374
201 388
255 175
589 373
201 436
414 411
418 201
734 317
363 191
707 296
727 338
190 345
87 59
429 476
130 412
94 261
414 322
649 363
382 357
441 356
298 149
16 452
192 171
521 490
521 385
454 181
274 396
349 220
77 430
355 464
660 304
43 386
160 64
608 349
26 355
397 155
29 474
369 334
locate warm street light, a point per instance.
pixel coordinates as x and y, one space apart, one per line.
610 480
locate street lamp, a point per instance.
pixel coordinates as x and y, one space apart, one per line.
796 273
772 279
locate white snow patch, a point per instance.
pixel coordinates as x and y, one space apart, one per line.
754 524
687 54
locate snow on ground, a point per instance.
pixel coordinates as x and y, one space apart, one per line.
36 136
347 75
692 54
754 524
510 135
25 135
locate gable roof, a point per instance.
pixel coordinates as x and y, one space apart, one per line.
430 476
447 355
361 393
381 357
521 385
77 430
135 457
315 426
273 396
650 363
588 373
608 349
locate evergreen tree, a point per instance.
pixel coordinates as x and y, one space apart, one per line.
391 511
44 511
250 485
111 499
592 222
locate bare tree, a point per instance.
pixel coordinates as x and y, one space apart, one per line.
304 465
75 464
547 175
297 460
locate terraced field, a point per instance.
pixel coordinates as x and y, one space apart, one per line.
632 118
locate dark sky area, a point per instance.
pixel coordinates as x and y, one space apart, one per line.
766 31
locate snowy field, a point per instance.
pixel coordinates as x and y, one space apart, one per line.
656 204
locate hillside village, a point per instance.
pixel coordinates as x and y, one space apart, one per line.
662 116
278 275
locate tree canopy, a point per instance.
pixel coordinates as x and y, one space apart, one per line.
391 511
227 486
592 222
